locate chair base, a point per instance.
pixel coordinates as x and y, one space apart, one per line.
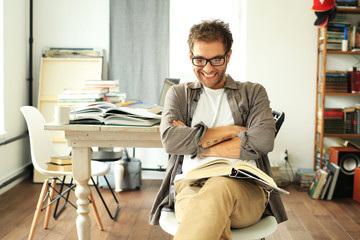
263 228
112 216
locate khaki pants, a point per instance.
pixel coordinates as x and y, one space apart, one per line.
207 210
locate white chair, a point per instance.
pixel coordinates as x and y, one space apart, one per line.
264 227
42 150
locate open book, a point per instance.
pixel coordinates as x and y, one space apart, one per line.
110 114
241 170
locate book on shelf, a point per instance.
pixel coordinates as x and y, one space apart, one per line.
350 120
336 81
333 170
354 80
325 159
317 184
333 120
241 170
357 117
347 3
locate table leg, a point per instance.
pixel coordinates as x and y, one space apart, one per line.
82 174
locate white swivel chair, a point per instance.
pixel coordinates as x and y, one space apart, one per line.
263 228
42 150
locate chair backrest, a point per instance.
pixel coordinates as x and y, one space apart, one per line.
42 148
279 117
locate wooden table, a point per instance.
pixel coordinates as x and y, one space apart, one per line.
81 138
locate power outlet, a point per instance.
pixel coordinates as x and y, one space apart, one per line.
284 156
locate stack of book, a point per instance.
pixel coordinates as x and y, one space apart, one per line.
304 176
92 91
336 32
337 82
116 97
333 120
325 181
113 95
112 85
63 163
85 95
317 184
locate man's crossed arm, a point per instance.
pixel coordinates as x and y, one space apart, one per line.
220 141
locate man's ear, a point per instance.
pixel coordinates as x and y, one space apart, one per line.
228 56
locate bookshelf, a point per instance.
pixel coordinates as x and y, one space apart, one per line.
321 94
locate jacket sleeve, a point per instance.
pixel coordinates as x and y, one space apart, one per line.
258 140
179 140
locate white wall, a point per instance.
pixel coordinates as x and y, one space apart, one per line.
71 24
280 54
14 156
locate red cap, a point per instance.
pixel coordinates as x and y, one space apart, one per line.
323 5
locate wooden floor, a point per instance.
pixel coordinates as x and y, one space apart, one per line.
308 219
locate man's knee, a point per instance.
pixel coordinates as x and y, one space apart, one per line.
234 188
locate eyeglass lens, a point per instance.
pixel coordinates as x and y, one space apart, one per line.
201 62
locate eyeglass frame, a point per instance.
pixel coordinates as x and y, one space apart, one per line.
208 60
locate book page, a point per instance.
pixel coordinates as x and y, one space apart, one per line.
219 167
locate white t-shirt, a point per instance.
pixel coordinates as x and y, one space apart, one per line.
214 111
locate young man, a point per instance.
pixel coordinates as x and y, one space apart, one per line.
215 117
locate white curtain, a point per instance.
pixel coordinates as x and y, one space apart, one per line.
139 47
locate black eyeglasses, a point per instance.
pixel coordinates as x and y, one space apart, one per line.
201 62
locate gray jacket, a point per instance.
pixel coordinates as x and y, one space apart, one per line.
250 108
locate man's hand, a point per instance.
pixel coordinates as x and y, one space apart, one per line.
178 123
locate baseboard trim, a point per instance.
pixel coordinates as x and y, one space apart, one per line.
15 178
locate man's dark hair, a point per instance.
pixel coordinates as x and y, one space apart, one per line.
210 31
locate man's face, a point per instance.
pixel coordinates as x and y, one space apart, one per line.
211 76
